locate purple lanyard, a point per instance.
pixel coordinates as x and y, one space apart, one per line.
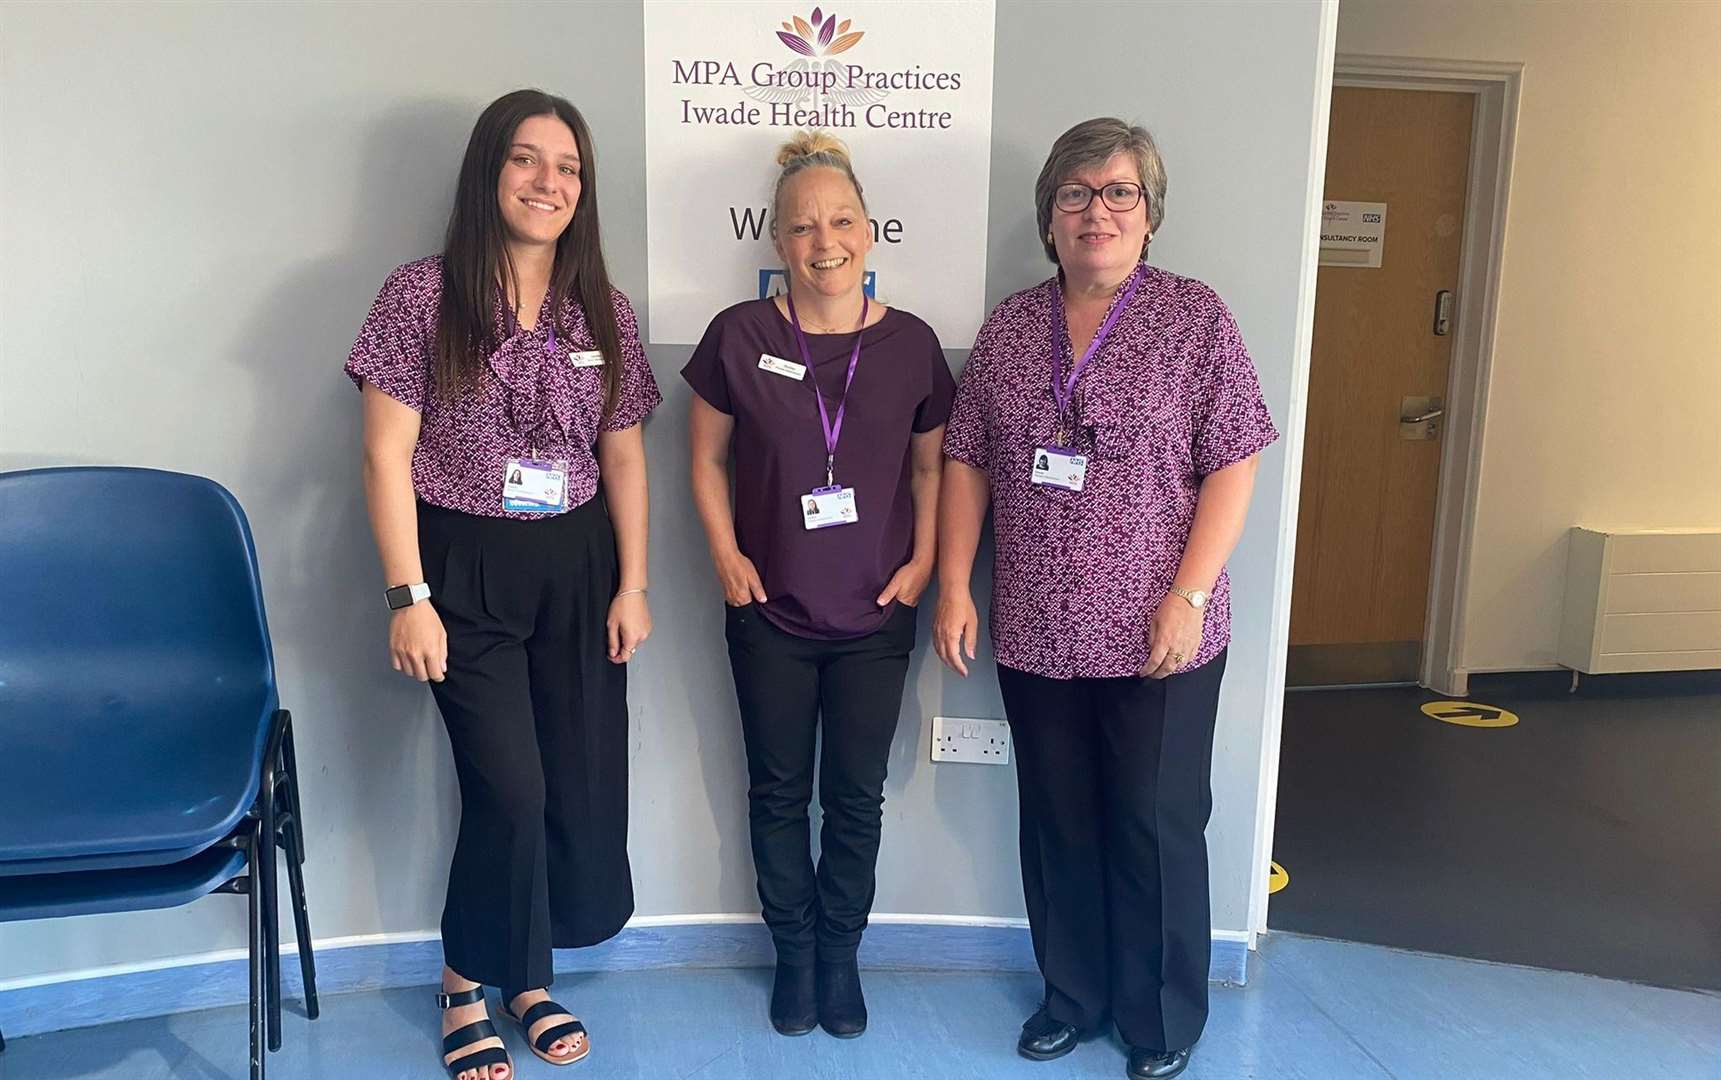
832 431
1063 390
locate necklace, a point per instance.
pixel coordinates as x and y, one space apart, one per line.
822 329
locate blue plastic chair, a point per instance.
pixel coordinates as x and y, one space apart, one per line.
145 760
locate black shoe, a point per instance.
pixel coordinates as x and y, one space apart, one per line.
842 1008
1044 1038
794 1006
1145 1064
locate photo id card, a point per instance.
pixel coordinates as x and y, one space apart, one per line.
1060 467
535 487
823 507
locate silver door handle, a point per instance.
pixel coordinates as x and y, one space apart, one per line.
1432 414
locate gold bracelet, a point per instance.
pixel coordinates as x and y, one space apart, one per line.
629 592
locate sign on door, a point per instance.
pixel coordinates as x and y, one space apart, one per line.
1352 233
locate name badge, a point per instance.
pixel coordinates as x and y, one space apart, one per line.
590 358
534 487
1059 467
776 365
824 507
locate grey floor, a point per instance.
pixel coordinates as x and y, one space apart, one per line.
1586 838
1325 1010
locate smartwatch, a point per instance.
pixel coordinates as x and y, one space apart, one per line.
404 596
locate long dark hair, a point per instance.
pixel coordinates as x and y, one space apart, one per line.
475 256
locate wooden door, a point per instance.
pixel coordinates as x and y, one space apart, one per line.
1366 527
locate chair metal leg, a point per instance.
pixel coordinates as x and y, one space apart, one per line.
296 837
268 898
302 931
290 771
269 886
293 838
259 986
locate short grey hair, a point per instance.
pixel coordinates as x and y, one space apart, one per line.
1089 145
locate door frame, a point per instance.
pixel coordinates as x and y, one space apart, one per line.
1493 134
1497 88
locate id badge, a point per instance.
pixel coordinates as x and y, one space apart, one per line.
776 365
824 507
535 487
1059 467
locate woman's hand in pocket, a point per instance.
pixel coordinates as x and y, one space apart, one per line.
740 579
906 585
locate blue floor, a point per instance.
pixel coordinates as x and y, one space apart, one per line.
1313 1008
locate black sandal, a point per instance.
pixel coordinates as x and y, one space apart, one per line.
547 1038
474 1032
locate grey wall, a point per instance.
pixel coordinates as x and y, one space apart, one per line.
197 204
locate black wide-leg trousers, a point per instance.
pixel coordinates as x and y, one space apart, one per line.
537 716
1114 778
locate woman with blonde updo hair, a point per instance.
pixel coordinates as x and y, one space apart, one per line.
834 407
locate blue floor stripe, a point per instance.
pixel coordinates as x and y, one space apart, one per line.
887 946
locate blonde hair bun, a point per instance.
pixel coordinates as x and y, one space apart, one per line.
812 150
804 144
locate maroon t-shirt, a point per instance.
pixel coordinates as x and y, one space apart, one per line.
822 583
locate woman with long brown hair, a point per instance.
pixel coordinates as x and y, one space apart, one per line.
504 385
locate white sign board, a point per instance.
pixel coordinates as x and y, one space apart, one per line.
907 86
1352 233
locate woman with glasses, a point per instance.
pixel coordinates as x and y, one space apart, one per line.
1112 418
833 406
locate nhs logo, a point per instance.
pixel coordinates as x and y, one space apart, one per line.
775 283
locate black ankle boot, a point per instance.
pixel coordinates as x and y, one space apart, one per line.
794 1004
842 1008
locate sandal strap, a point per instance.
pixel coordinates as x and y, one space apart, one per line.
490 1055
463 997
548 1037
539 1011
466 1036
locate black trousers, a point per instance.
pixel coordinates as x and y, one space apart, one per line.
537 716
1114 777
784 685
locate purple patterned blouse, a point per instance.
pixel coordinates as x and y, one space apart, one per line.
526 402
1170 397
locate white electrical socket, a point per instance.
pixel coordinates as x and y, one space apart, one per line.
982 742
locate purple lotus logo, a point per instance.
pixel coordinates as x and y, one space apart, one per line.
818 86
819 34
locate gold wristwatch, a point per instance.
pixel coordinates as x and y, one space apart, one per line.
1197 598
